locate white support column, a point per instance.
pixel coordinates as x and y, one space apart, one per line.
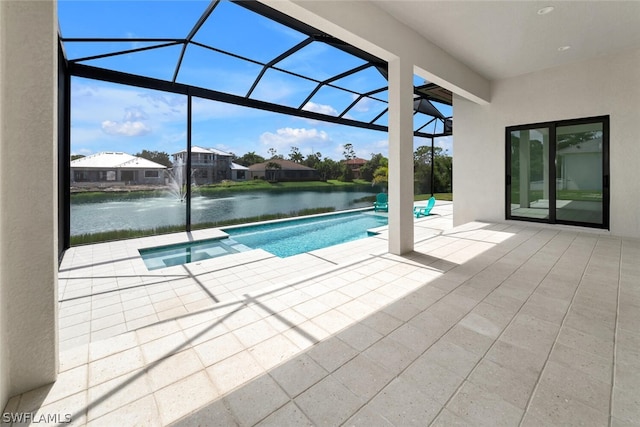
400 156
28 195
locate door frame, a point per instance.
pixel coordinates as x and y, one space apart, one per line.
552 126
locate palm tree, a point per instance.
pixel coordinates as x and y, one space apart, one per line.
381 176
296 155
274 168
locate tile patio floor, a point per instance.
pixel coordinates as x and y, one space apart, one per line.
483 324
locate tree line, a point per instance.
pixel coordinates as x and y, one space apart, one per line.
326 167
375 170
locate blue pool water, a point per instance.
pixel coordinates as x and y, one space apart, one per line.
283 239
183 253
294 237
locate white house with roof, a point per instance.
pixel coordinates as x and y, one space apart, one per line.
239 172
210 165
116 168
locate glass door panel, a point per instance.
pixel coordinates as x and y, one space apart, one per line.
579 183
530 173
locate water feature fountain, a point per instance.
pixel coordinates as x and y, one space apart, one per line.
177 185
168 210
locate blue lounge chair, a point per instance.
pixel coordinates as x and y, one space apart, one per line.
418 211
381 203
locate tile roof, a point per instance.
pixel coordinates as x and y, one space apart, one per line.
196 149
284 164
356 161
114 160
236 166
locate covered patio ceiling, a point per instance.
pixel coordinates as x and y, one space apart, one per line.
208 52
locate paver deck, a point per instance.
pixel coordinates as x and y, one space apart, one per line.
483 324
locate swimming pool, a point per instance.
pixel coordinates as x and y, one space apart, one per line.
183 253
293 237
282 238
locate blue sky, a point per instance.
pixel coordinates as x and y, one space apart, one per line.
110 117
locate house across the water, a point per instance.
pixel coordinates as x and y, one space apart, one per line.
211 165
283 170
355 164
116 168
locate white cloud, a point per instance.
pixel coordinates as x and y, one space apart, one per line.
159 100
93 102
446 143
298 137
83 151
364 105
96 105
380 145
363 148
320 108
179 136
204 110
135 114
131 35
276 90
227 76
127 128
83 137
227 149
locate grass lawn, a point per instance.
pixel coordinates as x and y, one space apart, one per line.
223 187
577 195
438 196
259 184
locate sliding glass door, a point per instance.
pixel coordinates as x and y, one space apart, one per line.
579 173
529 193
558 172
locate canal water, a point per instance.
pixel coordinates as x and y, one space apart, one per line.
146 213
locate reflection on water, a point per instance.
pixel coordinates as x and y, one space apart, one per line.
146 213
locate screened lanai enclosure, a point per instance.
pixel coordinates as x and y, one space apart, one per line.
157 97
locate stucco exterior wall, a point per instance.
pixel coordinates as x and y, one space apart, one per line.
28 207
4 342
603 86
